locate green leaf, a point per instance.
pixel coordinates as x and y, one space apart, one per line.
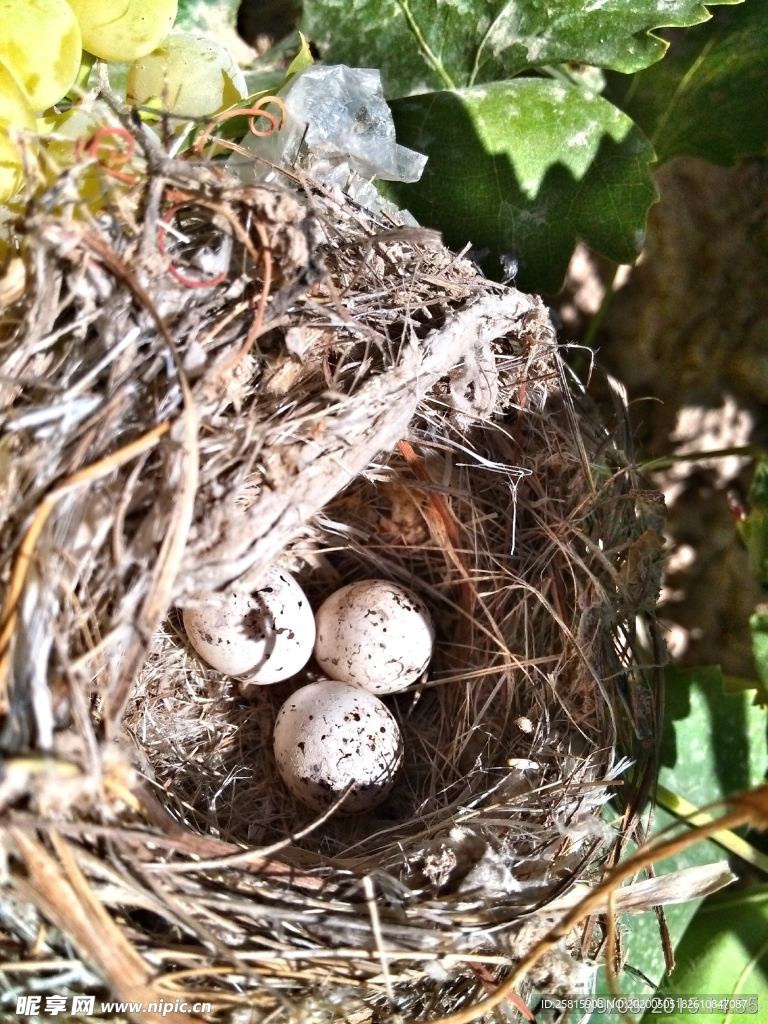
724 950
707 99
758 627
421 45
754 526
302 60
528 167
713 745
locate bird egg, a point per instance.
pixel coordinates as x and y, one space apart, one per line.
265 636
330 736
375 634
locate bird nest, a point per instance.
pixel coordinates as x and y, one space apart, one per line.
204 379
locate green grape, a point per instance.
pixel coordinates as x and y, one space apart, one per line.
188 74
40 44
123 30
15 115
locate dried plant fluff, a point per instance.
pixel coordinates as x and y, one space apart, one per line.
351 399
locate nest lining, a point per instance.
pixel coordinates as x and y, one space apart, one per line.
390 413
486 703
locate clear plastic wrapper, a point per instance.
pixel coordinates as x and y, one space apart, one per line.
339 129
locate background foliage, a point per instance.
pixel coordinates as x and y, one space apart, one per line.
538 158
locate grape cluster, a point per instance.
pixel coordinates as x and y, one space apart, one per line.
44 44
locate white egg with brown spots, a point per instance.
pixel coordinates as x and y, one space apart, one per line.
375 634
265 636
330 736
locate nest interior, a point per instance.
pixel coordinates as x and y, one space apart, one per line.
348 397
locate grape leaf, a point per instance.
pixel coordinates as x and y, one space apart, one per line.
707 98
421 45
527 168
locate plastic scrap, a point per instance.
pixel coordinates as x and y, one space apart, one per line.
339 129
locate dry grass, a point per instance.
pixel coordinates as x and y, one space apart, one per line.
353 399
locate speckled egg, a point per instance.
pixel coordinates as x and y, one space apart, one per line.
329 735
265 636
374 634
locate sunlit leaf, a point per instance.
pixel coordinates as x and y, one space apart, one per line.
421 45
527 167
302 60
